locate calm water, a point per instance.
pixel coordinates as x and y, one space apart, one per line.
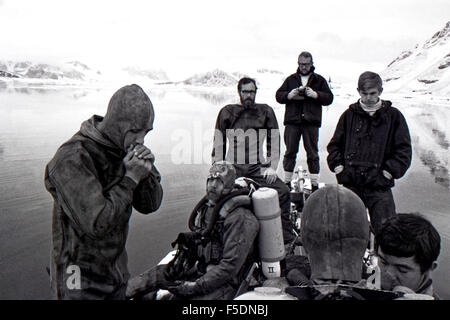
34 122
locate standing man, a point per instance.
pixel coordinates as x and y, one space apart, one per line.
95 179
246 126
304 94
371 148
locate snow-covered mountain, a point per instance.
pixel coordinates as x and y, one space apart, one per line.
78 72
423 69
215 78
73 70
220 78
151 74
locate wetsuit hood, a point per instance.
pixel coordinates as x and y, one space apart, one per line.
335 233
129 109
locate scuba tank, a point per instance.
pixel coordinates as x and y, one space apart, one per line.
266 209
270 238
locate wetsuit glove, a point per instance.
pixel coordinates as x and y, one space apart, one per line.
186 289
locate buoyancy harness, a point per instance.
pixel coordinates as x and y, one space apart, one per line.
203 244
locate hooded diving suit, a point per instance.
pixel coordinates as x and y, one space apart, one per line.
335 235
214 257
93 200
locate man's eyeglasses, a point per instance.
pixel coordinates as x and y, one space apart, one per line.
249 91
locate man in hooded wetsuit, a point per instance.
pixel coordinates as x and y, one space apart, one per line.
214 258
95 179
335 234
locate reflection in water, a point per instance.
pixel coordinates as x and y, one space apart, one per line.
440 138
431 143
42 89
33 90
156 93
437 168
216 98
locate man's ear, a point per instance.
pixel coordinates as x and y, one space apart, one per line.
434 266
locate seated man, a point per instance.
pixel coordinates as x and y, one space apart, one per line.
335 234
250 132
213 259
408 246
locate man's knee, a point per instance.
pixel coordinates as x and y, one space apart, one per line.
381 210
282 189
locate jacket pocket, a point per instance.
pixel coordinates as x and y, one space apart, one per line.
345 177
292 113
381 182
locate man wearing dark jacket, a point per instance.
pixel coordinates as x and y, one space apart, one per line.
304 94
95 179
213 258
371 147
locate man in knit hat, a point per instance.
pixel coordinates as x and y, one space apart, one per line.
95 179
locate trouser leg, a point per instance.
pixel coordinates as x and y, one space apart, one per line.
310 141
292 135
381 206
150 280
225 292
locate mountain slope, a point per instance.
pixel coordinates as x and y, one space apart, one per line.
424 69
215 78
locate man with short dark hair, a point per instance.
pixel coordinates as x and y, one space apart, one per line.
95 179
246 126
304 93
408 247
371 148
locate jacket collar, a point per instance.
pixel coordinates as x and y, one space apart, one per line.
89 129
356 107
312 77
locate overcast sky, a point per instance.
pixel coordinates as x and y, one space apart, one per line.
183 37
